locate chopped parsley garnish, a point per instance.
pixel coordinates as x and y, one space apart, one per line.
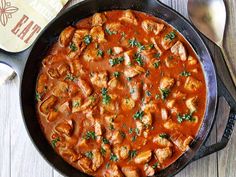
105 97
132 90
100 52
109 51
151 46
90 135
116 61
155 165
87 39
113 157
116 74
185 117
37 96
164 93
89 154
138 115
157 96
129 78
73 47
134 138
75 104
132 153
137 131
156 64
108 31
105 141
103 151
70 77
164 135
185 73
170 36
147 73
130 130
122 134
148 93
139 59
157 55
107 165
54 142
134 43
111 127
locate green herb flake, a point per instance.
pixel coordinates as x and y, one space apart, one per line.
134 138
151 46
108 31
100 53
75 104
122 134
105 141
155 165
170 36
130 130
116 74
37 96
54 142
156 64
89 154
73 47
164 135
116 61
148 93
109 51
103 151
70 77
139 59
157 55
137 131
90 135
185 73
111 127
129 78
157 96
164 93
185 117
87 39
138 115
147 73
107 165
113 157
132 153
105 97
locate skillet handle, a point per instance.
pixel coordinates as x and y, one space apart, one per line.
207 150
15 60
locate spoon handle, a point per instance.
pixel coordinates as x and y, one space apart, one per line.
229 65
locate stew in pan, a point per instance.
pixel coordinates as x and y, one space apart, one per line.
121 93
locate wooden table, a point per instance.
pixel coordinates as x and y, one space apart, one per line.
19 158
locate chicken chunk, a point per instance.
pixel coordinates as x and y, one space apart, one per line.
98 19
130 171
97 34
150 107
128 17
192 84
191 103
149 171
116 137
52 116
166 42
42 81
97 159
113 27
127 104
52 72
98 128
76 104
163 154
164 114
85 87
65 127
60 89
147 119
128 56
139 127
48 104
124 151
63 69
151 26
91 54
85 165
170 125
134 71
113 171
192 61
179 50
143 157
71 154
99 79
167 83
66 36
135 90
162 141
65 107
114 83
117 50
181 141
156 46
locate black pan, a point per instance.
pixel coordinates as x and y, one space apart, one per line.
27 64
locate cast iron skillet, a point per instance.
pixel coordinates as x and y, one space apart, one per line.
28 63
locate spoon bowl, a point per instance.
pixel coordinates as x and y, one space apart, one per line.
209 16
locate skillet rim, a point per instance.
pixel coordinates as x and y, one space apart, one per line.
77 6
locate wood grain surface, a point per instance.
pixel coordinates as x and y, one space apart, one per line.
19 158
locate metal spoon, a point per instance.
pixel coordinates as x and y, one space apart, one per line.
209 16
